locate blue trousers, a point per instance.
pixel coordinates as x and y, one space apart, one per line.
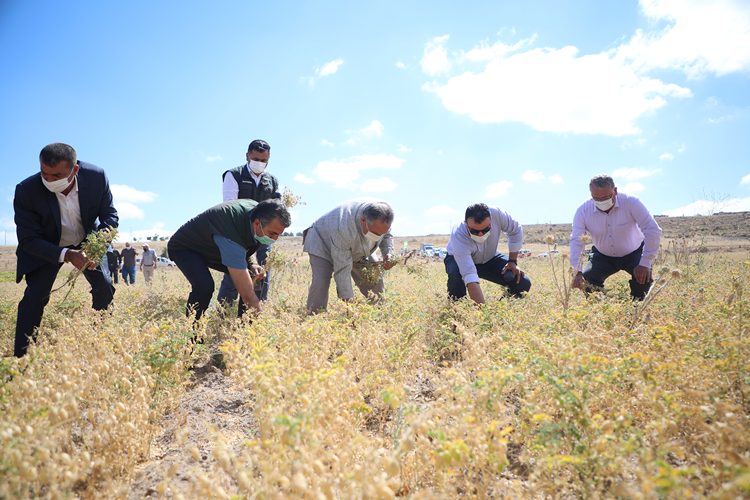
128 272
490 271
39 284
227 290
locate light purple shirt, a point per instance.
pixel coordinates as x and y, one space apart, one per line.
617 233
468 252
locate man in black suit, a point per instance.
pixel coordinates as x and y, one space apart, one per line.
54 211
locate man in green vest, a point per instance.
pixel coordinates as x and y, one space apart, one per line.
223 238
250 181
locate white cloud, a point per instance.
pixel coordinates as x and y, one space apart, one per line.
382 185
303 179
125 199
745 180
556 179
121 192
682 149
498 189
214 158
440 210
375 129
326 143
533 176
435 60
330 68
327 69
486 52
637 142
633 187
127 210
704 207
400 65
631 174
557 91
343 173
666 156
403 149
438 225
350 142
141 234
700 38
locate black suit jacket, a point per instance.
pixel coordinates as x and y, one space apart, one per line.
38 216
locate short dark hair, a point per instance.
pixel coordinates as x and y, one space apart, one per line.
478 212
602 181
268 210
258 145
57 152
378 210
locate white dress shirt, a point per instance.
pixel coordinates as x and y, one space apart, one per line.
617 233
468 252
70 219
230 190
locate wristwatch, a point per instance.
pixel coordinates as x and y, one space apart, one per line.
513 261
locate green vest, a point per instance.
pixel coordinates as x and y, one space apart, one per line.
231 219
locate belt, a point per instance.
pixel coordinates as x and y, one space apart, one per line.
148 265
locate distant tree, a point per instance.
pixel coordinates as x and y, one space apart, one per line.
164 253
148 238
299 233
163 238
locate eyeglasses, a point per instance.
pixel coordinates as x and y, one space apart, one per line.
477 231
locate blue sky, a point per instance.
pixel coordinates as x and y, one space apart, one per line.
429 105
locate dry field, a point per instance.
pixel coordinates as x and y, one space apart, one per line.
413 398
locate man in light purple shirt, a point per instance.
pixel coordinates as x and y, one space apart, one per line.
626 238
472 254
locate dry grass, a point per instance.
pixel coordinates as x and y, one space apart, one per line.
414 398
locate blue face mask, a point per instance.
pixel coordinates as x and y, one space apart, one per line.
263 240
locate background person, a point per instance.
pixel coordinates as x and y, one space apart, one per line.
250 181
148 264
341 242
128 263
472 254
54 211
223 238
113 260
626 238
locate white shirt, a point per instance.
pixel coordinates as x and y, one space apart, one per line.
617 233
468 252
71 227
230 189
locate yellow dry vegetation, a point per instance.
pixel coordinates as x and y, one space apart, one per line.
414 398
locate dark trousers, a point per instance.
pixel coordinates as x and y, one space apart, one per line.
195 268
227 290
38 287
490 271
114 275
600 267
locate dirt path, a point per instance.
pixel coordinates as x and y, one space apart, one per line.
210 402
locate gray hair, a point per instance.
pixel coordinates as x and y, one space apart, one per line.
269 210
602 181
379 210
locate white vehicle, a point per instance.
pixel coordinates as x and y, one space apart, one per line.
427 249
160 262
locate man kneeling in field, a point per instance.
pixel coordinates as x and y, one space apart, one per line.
225 238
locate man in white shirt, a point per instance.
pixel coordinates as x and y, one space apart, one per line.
148 264
54 211
250 181
472 254
626 238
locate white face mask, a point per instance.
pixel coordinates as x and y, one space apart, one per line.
257 167
372 237
57 186
480 239
604 205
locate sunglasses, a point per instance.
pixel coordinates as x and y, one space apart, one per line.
477 231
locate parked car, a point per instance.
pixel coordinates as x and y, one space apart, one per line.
164 262
160 262
550 253
524 253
